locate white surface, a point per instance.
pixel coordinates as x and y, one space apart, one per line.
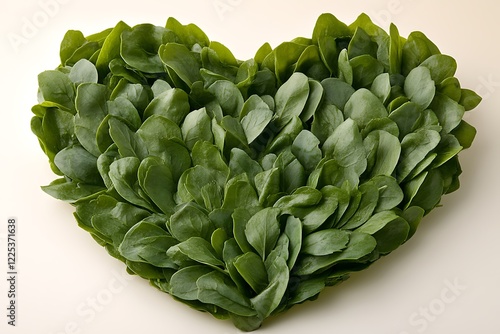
68 284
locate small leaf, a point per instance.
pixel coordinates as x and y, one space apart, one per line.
252 269
262 231
217 289
291 98
420 87
183 282
325 242
200 250
146 242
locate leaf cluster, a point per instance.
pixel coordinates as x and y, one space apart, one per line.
243 188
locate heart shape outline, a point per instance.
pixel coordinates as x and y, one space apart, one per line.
245 187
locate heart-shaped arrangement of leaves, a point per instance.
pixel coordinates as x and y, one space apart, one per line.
243 188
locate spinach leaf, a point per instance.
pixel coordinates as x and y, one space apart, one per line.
183 282
217 289
146 242
262 231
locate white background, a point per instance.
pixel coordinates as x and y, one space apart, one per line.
68 284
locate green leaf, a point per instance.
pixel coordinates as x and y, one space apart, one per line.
110 48
388 229
189 34
325 242
72 40
465 133
71 192
228 96
469 99
156 179
381 87
135 93
115 219
128 143
200 250
241 163
173 104
361 44
365 69
217 289
57 87
91 109
124 110
326 119
313 101
123 174
207 155
267 184
440 67
139 47
78 164
337 92
183 282
316 216
306 148
448 112
416 49
390 193
57 130
190 221
345 69
218 239
329 25
386 152
406 117
255 122
196 127
269 299
83 72
363 106
240 194
180 62
293 230
414 148
301 197
252 269
368 202
395 50
420 87
359 245
262 231
291 98
428 195
148 243
346 148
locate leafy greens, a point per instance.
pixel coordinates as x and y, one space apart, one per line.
243 188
